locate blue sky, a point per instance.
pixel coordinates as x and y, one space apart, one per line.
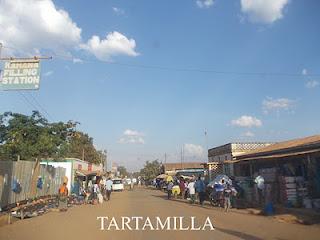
145 78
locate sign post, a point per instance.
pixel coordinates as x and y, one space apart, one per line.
20 75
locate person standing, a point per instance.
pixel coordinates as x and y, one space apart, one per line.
201 190
182 187
227 192
109 188
192 191
103 188
63 195
169 189
131 184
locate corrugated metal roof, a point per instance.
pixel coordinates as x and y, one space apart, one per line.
184 165
286 147
278 155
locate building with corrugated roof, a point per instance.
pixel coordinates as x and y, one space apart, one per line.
291 168
183 168
220 159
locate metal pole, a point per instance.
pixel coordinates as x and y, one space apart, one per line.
82 154
24 58
0 49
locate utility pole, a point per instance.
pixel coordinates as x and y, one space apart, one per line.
165 157
181 157
207 148
106 160
0 48
82 154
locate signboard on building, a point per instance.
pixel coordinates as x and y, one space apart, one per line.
20 75
90 167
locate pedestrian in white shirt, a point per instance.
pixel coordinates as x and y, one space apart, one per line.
192 191
109 188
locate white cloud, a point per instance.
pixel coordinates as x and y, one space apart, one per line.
31 25
247 121
312 84
193 150
132 137
280 104
248 134
77 60
47 74
118 11
263 11
304 71
204 3
114 44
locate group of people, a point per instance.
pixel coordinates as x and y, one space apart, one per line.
193 189
189 189
96 191
222 193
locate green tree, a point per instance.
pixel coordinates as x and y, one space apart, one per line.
151 170
123 171
31 137
81 146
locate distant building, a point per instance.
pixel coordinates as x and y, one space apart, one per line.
114 170
185 168
220 159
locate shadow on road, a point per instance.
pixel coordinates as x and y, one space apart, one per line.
238 234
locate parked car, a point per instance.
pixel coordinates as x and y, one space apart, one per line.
117 184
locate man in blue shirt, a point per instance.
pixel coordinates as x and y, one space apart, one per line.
201 190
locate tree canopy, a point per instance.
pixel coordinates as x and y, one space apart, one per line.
31 137
123 171
151 170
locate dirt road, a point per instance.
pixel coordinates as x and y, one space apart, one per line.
81 222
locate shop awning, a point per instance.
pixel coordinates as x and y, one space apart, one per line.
84 173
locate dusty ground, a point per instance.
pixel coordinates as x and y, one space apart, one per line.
80 222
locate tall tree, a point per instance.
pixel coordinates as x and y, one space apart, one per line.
151 170
123 171
81 146
31 137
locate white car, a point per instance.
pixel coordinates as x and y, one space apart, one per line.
117 185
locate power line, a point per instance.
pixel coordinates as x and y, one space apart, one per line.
184 69
42 108
33 107
28 101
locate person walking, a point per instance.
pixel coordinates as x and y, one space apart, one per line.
227 196
201 190
192 191
169 189
109 188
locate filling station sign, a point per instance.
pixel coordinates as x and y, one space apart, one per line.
20 75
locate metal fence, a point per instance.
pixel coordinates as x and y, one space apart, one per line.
24 173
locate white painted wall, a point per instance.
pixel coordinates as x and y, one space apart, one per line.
65 165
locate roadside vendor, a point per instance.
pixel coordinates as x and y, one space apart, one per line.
63 195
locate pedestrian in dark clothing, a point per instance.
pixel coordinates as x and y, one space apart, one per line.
169 189
182 187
